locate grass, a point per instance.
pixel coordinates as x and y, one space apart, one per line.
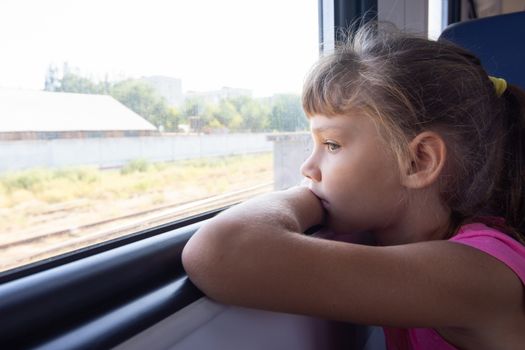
135 178
24 193
46 185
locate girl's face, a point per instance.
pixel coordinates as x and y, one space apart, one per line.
355 174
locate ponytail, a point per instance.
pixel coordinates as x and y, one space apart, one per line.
512 180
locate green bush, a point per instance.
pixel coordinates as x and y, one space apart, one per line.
82 174
25 180
135 166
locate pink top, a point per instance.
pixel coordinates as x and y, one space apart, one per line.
479 236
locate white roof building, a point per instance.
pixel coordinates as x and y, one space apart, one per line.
33 111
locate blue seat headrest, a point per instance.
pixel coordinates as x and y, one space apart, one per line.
498 41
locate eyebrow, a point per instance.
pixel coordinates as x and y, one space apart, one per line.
326 128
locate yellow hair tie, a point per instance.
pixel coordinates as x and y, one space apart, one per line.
499 84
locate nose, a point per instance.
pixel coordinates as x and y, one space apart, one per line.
310 169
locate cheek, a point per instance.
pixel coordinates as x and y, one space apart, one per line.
365 197
363 178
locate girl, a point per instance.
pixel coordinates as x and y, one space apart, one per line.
417 145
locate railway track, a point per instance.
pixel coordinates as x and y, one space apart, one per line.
41 246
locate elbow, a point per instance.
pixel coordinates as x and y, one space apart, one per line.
193 260
197 259
205 259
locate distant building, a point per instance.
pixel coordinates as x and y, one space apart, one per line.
215 96
167 87
32 114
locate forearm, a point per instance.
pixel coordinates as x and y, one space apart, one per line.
295 210
226 246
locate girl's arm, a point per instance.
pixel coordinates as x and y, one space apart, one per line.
255 255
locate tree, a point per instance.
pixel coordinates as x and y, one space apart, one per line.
68 81
209 117
193 106
141 98
256 115
199 114
287 114
228 115
236 114
172 121
74 83
52 82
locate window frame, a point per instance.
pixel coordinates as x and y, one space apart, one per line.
92 296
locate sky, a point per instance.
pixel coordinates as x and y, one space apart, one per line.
266 46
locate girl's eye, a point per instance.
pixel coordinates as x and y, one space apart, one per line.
331 146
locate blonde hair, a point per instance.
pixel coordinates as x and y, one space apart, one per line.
407 85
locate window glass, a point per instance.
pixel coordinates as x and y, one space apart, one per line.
437 17
120 115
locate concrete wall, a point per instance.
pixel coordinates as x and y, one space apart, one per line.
114 152
290 150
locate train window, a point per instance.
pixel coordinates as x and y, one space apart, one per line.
437 20
117 116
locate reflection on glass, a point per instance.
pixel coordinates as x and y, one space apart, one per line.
117 116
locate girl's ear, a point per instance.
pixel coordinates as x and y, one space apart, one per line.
428 153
